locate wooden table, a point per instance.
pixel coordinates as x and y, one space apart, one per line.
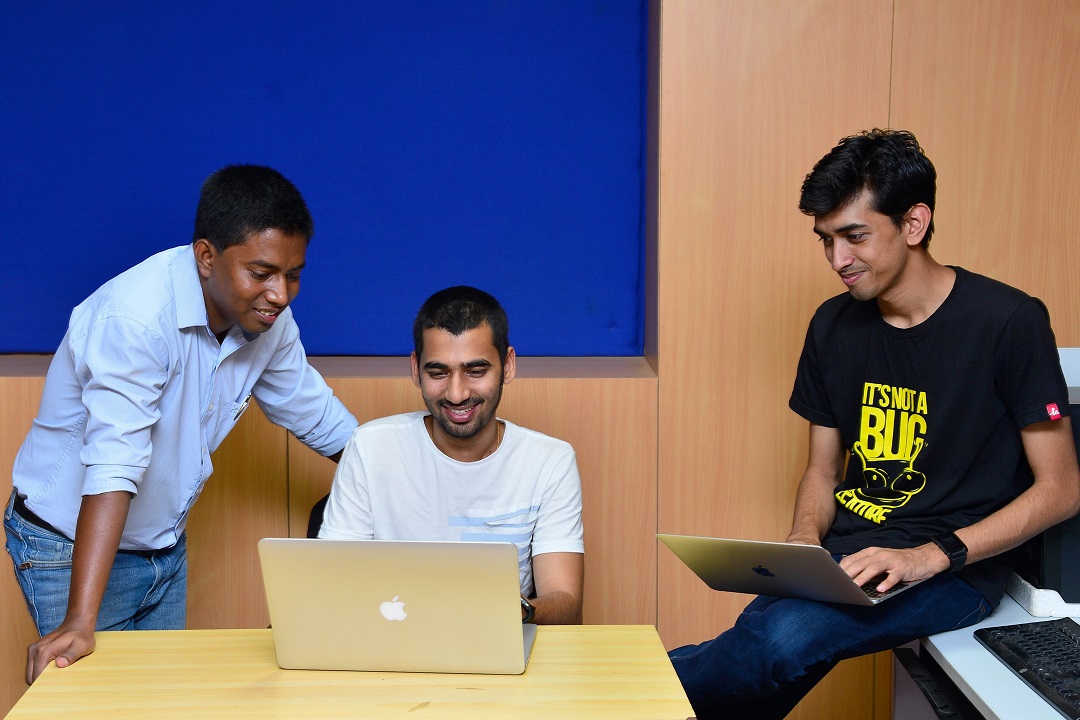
589 671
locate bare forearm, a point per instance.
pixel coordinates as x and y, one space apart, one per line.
1054 496
557 608
815 507
560 580
1023 518
97 537
815 510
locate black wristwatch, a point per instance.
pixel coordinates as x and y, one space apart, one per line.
530 611
954 549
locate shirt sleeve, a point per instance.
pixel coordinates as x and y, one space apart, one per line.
1028 371
558 523
348 511
294 395
122 367
809 398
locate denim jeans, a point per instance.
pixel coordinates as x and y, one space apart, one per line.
779 648
146 590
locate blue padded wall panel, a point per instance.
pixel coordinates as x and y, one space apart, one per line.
493 143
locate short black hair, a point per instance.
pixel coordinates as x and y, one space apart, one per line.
460 308
240 200
888 163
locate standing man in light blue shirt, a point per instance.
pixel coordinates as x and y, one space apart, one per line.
155 369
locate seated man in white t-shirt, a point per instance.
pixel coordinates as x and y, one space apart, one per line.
457 472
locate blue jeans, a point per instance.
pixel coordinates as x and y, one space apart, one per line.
779 648
146 590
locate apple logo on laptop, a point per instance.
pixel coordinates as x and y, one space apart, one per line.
763 571
393 609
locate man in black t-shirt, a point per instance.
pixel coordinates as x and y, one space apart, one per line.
941 393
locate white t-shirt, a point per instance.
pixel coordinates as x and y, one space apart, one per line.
393 483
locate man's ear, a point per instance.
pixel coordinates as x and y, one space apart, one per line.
917 221
509 366
415 368
205 255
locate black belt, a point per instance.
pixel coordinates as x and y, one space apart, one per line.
28 515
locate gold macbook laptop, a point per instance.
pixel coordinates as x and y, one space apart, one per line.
404 606
773 568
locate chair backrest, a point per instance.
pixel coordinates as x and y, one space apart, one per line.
315 519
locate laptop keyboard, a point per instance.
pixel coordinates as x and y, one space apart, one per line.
870 587
1045 655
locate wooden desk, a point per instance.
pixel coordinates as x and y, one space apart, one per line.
589 671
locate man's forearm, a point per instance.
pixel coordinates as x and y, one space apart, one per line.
100 526
1054 496
1026 516
97 537
560 581
815 507
557 608
815 510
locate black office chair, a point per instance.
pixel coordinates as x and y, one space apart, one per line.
315 519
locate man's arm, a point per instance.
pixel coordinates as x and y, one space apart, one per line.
815 506
559 579
100 525
1054 496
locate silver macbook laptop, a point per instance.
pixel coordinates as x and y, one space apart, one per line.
450 607
772 568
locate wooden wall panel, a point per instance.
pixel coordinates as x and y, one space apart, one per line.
751 95
992 90
612 425
19 398
244 500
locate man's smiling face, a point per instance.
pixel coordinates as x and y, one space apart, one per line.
461 379
251 283
864 247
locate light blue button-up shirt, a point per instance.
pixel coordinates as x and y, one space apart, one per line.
140 393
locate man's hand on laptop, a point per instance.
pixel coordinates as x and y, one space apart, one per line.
907 565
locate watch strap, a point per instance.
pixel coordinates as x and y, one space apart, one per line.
530 611
954 549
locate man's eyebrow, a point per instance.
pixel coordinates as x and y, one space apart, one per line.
271 266
840 230
468 365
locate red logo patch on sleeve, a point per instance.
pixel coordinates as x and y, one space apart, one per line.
1053 412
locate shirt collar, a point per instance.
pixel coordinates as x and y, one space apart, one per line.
190 302
187 290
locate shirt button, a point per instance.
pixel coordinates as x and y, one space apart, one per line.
211 407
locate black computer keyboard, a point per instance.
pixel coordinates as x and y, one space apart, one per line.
1045 655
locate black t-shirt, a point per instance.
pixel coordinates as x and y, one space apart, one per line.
931 414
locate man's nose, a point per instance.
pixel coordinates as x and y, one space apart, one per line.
839 254
276 290
457 390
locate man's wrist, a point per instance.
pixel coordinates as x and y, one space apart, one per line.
528 610
954 549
